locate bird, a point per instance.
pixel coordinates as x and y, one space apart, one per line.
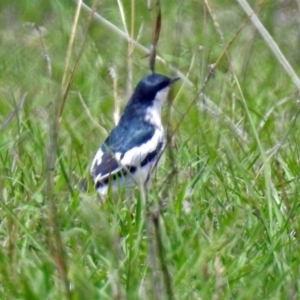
130 154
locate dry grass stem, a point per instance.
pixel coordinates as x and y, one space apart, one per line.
270 42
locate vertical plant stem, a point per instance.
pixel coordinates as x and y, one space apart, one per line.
152 250
161 256
54 238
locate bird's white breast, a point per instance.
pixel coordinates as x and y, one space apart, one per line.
153 115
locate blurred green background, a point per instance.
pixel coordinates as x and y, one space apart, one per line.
230 225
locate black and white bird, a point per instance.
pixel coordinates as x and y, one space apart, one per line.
132 150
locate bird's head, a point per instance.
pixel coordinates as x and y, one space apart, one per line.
152 87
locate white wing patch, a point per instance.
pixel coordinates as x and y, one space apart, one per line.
98 158
136 155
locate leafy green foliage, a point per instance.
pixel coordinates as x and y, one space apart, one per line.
229 221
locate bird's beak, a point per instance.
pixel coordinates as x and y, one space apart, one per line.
173 79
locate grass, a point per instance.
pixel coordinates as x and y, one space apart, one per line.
229 180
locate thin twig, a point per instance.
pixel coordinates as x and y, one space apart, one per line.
152 249
161 255
54 238
275 149
155 37
130 45
270 111
65 90
55 242
71 42
113 75
46 56
270 42
11 116
130 52
88 113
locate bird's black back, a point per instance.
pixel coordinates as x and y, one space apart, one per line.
129 133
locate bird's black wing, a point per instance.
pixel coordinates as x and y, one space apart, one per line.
126 148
